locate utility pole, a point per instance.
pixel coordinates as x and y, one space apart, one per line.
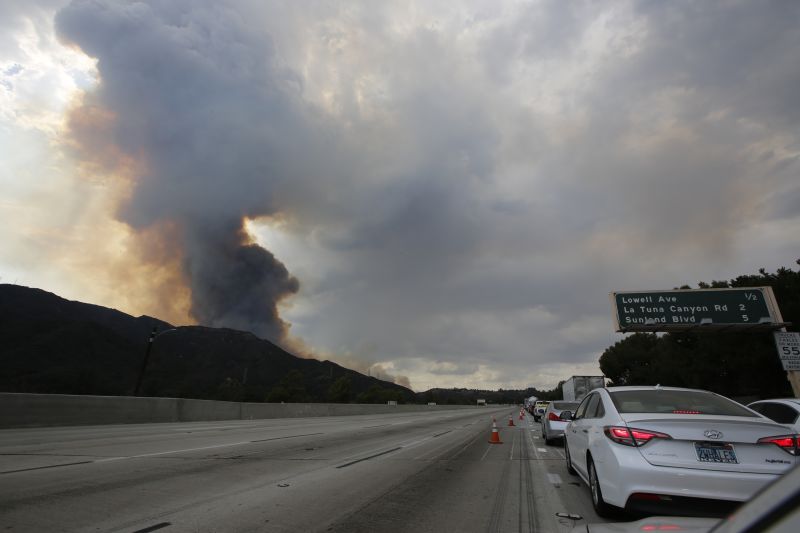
146 358
150 341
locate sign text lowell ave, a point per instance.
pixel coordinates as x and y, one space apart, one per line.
686 309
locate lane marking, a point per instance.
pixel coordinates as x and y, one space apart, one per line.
155 454
370 457
288 437
486 452
513 442
48 455
542 450
172 451
153 528
190 430
43 467
435 452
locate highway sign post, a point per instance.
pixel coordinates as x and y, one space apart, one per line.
729 309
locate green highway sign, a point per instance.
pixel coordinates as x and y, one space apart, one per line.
681 310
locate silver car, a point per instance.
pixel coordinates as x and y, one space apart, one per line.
664 450
555 419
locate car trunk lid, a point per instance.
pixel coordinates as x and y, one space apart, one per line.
710 442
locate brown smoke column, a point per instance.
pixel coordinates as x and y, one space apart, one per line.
208 129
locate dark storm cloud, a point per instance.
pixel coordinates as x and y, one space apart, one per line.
657 182
739 55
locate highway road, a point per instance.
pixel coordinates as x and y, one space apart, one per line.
411 472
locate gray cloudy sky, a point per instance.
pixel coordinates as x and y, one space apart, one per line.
442 191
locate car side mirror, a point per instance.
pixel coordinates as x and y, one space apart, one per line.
567 415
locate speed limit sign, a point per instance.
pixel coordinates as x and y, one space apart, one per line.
788 344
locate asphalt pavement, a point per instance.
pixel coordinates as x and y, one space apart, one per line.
411 472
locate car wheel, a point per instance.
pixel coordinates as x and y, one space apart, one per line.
570 468
600 507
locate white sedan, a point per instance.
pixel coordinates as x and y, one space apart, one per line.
660 450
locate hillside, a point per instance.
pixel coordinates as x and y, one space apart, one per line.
53 345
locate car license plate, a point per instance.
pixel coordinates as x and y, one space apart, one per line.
712 452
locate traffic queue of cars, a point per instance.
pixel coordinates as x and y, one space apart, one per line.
664 450
555 418
538 410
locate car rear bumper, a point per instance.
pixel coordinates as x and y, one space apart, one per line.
681 506
555 430
624 472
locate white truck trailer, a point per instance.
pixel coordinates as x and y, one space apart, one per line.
576 387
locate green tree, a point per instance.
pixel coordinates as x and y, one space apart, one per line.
738 364
230 390
291 388
341 390
377 394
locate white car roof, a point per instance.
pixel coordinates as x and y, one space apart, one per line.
650 387
795 401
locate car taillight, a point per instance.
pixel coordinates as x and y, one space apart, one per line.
787 443
632 436
553 417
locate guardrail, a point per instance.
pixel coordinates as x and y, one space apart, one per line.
19 410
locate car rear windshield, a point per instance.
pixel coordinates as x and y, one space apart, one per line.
677 402
561 406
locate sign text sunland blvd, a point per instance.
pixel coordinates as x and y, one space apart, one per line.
652 309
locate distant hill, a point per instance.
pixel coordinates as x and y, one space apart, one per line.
471 396
53 345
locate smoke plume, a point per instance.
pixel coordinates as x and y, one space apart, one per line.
209 124
235 283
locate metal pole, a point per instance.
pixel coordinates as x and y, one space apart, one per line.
792 376
144 363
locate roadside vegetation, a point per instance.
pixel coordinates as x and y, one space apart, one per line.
741 365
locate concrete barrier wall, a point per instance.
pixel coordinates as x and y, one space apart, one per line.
33 410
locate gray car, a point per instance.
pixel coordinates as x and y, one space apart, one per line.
553 423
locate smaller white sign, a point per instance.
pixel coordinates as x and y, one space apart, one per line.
788 345
790 365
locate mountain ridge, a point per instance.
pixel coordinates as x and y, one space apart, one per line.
55 345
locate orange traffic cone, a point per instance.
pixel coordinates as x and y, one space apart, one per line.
495 435
510 420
